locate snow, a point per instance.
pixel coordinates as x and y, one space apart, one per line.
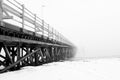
88 69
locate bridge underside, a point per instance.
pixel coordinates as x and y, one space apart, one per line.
19 49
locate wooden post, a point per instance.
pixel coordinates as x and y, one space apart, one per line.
23 13
53 54
48 31
22 56
7 54
36 59
18 54
48 55
41 54
43 27
1 13
52 33
35 23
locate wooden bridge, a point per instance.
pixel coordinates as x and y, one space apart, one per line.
27 40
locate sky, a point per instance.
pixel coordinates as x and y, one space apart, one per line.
92 25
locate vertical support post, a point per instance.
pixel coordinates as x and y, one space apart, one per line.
56 51
27 52
23 13
35 23
43 27
31 57
41 54
22 55
52 33
36 59
7 54
59 36
48 31
18 54
48 54
53 55
1 12
55 35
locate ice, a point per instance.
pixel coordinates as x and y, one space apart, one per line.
83 69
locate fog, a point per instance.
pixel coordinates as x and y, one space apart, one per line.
92 25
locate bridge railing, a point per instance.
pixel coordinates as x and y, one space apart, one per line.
15 12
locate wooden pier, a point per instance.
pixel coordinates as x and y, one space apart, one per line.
32 42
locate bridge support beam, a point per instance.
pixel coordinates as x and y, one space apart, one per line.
16 55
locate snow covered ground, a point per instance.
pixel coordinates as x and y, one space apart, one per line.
91 69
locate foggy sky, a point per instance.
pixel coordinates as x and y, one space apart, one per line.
92 25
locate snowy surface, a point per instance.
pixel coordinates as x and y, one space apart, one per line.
92 69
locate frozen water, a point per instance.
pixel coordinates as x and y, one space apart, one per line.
87 69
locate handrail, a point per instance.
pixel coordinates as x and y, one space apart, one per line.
27 16
14 5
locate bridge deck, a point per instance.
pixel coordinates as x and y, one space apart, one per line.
11 33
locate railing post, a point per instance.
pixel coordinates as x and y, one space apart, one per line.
35 23
48 31
55 35
1 13
58 36
43 27
52 33
23 13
